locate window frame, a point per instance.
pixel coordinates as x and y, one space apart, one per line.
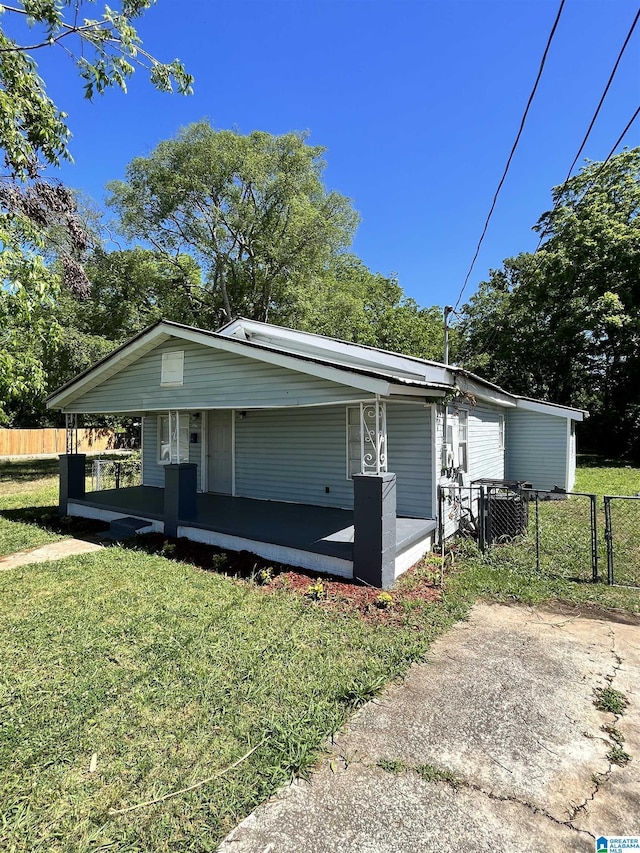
463 415
183 423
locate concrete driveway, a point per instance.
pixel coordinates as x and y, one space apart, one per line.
494 744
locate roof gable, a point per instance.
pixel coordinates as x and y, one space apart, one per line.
164 333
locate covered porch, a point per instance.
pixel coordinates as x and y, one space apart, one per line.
313 537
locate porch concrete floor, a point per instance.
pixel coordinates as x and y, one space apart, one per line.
318 529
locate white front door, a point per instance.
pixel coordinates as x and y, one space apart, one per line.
220 451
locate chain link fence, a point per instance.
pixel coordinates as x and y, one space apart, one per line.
574 536
622 536
115 474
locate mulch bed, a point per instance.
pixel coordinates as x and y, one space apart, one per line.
415 587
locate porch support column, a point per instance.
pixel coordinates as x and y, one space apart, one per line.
374 522
72 482
180 495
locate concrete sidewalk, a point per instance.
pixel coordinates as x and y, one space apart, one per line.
495 744
52 551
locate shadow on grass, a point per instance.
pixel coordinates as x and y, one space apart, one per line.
28 470
593 460
47 518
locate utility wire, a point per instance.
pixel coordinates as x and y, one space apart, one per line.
593 121
513 151
491 336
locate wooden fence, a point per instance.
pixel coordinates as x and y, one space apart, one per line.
31 442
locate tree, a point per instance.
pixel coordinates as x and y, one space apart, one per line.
251 210
42 241
107 49
354 304
564 323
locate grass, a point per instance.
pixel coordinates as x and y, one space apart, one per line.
33 482
606 477
169 674
565 546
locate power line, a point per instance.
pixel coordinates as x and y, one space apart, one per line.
513 151
593 121
491 336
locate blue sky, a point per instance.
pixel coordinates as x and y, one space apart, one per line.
417 102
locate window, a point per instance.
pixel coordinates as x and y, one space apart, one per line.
463 440
172 368
178 423
356 464
501 432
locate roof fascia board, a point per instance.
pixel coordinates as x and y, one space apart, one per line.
550 409
413 391
489 394
154 410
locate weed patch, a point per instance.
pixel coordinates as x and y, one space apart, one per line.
617 755
611 700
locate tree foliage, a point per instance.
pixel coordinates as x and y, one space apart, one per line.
106 50
354 304
43 242
251 210
564 323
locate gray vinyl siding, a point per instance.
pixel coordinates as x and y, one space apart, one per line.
410 458
293 455
212 379
486 458
537 448
152 471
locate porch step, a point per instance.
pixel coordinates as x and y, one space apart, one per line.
123 528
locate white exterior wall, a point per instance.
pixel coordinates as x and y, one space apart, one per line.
297 454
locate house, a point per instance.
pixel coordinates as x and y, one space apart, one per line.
303 449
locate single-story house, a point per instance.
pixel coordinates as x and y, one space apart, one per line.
304 449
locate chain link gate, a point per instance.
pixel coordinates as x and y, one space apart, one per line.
553 533
622 537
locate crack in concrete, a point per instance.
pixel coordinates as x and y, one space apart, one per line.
456 782
444 776
599 779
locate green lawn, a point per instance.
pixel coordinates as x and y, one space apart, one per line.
30 483
509 571
169 674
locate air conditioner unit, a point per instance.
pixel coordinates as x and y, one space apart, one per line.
507 516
